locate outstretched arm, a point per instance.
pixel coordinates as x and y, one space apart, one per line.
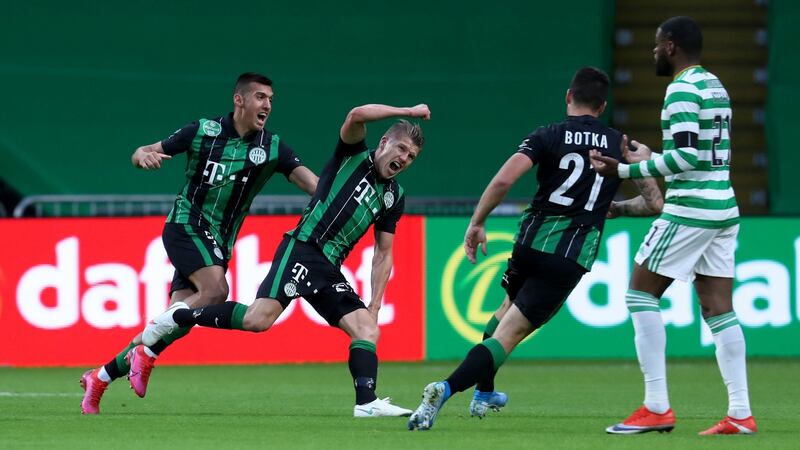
149 157
649 203
495 192
305 179
683 109
354 127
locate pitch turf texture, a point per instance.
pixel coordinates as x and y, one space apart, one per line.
552 405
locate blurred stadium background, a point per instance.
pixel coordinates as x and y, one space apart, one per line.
84 83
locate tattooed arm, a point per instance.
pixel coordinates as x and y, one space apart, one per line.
649 203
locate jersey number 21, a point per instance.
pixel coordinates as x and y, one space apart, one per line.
558 196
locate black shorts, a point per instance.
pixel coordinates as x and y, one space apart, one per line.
191 248
539 283
299 269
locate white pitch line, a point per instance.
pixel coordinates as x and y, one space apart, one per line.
40 394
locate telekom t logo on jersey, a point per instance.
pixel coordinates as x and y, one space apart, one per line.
365 195
213 172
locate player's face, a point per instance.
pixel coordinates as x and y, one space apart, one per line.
394 155
256 106
664 67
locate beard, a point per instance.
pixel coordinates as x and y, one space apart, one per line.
663 67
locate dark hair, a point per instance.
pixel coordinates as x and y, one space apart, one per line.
405 128
246 78
589 87
685 33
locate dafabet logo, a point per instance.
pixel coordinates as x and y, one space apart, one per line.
471 293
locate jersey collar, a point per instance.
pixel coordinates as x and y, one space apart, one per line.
583 118
679 74
230 130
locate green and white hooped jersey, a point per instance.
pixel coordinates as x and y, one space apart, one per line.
696 126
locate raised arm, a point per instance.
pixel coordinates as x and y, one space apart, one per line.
381 269
149 157
494 193
354 127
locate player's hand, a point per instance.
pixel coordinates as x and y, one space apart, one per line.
613 211
635 152
422 111
604 165
151 160
475 236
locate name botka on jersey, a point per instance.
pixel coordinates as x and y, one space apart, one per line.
596 140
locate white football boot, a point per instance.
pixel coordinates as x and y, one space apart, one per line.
380 408
162 325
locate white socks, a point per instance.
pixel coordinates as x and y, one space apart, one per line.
103 375
149 352
729 340
651 343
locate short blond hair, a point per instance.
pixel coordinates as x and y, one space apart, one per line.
405 128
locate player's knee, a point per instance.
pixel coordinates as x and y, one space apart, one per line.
367 331
714 309
260 316
257 321
257 324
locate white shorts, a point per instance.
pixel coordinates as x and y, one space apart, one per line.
680 251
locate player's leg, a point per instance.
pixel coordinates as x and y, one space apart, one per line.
549 279
642 299
120 366
668 252
181 289
511 283
714 286
200 266
96 381
206 286
650 339
259 316
363 359
328 292
484 390
481 361
486 357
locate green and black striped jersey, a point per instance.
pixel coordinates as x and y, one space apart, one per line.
567 214
696 128
224 172
349 198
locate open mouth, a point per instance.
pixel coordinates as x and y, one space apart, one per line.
394 165
262 116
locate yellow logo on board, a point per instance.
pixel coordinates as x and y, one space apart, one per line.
465 288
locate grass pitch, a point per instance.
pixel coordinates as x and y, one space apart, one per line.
553 405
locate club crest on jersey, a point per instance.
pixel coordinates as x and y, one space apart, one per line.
212 128
388 199
290 289
257 155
